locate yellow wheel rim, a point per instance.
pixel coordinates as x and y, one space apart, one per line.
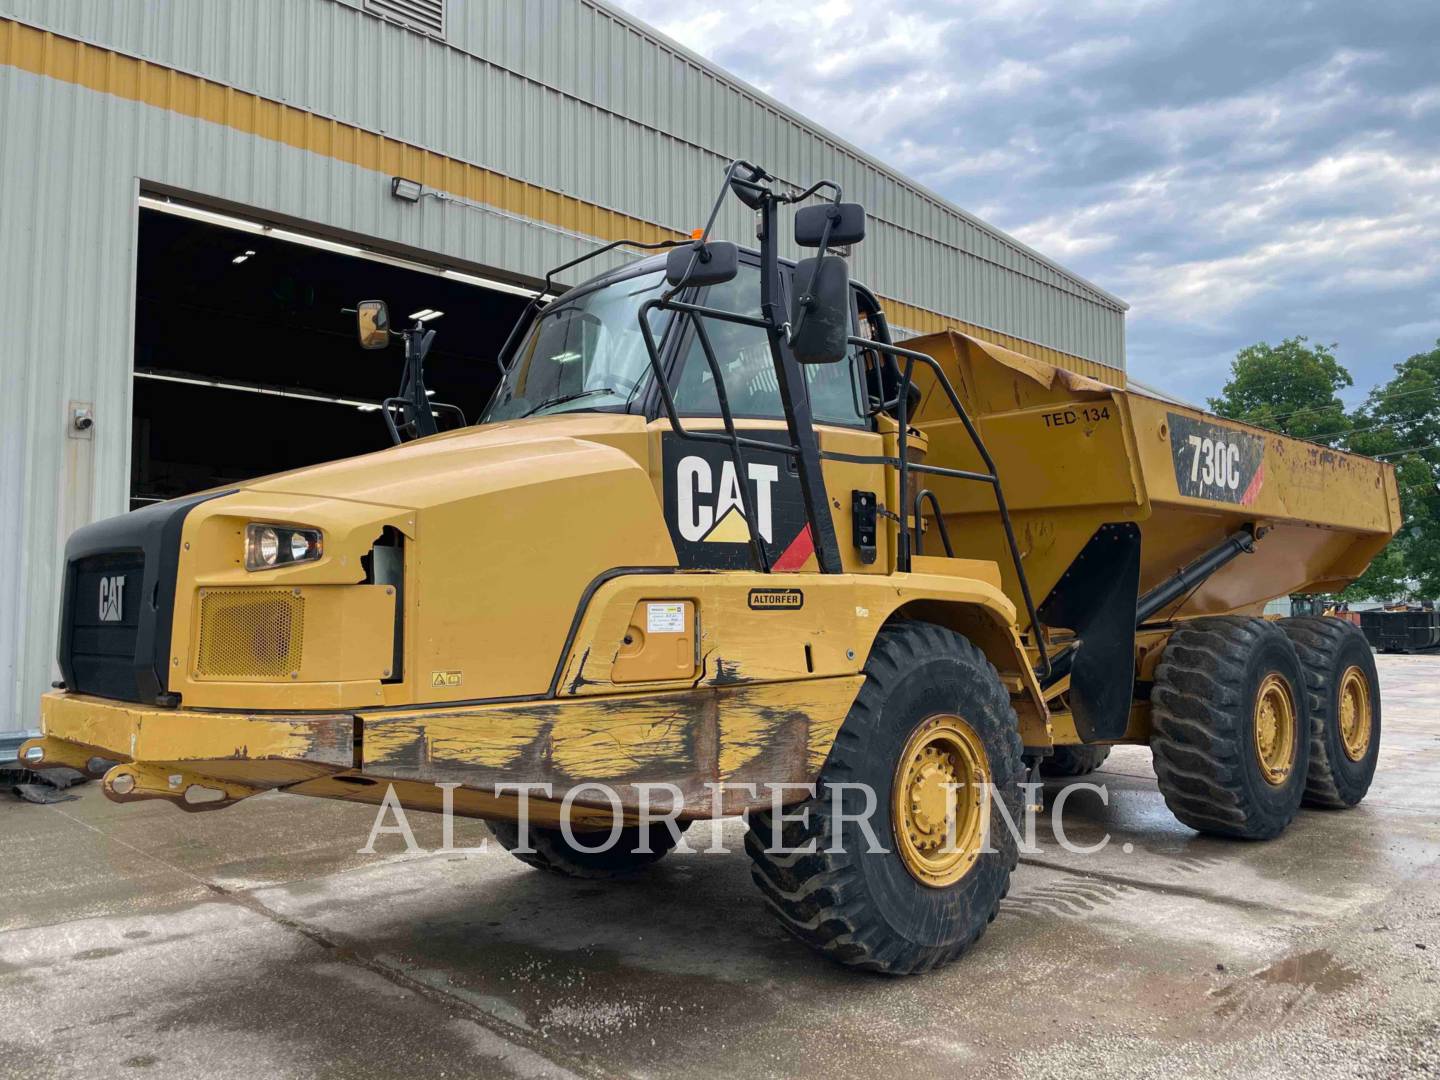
939 834
1274 729
1356 719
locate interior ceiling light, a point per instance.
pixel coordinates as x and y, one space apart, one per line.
425 314
227 221
238 259
252 388
491 283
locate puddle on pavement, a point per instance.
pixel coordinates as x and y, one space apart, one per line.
1316 970
1285 983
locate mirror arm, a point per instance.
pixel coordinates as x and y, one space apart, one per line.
756 174
812 189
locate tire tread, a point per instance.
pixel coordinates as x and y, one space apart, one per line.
1198 726
1317 640
818 897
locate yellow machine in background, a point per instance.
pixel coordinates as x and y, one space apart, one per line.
716 534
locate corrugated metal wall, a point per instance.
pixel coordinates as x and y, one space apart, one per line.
571 96
575 118
71 164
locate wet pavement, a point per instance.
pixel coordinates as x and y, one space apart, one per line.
258 940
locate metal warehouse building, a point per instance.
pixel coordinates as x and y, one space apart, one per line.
190 192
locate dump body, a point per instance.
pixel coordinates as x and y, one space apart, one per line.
1074 454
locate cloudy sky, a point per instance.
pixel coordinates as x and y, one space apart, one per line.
1238 170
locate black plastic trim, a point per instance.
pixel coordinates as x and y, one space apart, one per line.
154 532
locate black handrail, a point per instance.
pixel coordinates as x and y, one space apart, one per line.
735 441
992 477
799 420
397 406
921 496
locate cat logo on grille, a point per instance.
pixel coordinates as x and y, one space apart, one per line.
112 598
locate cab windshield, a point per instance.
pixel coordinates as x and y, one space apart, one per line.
584 354
589 353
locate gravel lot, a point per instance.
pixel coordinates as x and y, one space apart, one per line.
257 939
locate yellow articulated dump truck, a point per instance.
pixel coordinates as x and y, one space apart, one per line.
717 536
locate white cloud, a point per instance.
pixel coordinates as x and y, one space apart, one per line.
1234 170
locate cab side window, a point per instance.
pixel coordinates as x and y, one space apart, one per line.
743 353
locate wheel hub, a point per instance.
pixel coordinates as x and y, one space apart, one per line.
1274 729
940 801
930 813
1356 718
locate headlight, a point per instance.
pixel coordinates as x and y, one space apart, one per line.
268 546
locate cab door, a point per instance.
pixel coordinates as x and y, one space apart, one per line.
698 481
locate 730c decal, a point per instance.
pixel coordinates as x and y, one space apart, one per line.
1214 462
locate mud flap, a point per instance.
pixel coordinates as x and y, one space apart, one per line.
1096 598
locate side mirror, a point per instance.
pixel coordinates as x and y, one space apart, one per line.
847 224
696 264
373 319
824 324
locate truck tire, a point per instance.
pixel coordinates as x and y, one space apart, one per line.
1074 760
554 853
1344 692
932 712
1230 726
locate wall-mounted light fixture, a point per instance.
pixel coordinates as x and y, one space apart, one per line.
409 190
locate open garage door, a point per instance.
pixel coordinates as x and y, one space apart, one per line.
245 364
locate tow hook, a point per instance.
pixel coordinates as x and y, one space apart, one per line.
134 781
46 753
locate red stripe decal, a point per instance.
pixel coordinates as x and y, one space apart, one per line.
794 556
1256 482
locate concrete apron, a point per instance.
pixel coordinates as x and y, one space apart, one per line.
258 938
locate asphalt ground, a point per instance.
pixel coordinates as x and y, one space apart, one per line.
258 940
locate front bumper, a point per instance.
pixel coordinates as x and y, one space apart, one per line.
748 737
199 760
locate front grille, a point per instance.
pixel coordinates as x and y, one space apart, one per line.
119 602
250 633
103 622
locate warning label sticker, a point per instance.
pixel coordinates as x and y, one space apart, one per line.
666 618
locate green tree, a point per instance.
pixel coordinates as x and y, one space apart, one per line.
1292 387
1400 422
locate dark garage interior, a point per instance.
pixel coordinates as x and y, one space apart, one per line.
261 315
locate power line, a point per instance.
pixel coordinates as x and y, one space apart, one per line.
1411 450
1353 431
1432 388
